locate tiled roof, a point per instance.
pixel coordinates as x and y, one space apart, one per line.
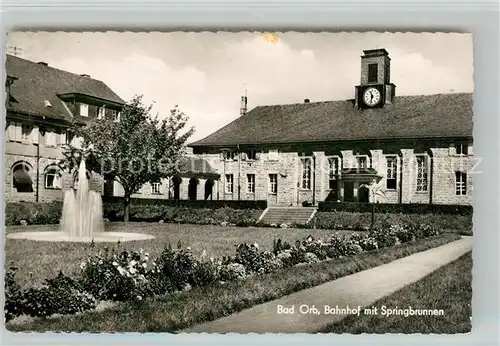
36 83
441 115
193 166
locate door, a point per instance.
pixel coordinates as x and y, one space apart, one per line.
348 191
272 196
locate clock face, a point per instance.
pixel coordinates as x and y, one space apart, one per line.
371 96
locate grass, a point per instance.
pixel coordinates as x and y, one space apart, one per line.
183 310
449 288
45 259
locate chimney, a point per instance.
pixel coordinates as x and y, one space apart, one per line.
85 75
307 100
43 63
243 106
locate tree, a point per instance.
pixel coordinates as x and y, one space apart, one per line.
137 149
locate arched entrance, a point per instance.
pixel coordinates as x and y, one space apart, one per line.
193 189
209 185
363 194
176 180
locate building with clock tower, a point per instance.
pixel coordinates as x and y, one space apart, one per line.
410 149
376 89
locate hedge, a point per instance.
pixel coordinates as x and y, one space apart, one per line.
241 214
202 204
388 208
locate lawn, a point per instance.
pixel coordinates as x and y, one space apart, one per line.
38 261
182 310
449 288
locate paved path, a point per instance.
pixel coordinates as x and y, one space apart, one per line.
359 289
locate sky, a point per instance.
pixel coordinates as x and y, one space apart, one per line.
206 74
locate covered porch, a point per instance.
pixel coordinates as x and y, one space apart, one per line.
352 185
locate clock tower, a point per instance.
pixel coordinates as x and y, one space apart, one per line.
375 89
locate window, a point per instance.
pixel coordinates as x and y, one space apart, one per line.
116 116
53 178
273 155
421 174
273 183
21 180
15 132
228 155
306 173
461 149
251 155
155 188
251 183
101 112
361 162
84 110
229 183
50 139
460 183
26 132
392 171
372 73
333 170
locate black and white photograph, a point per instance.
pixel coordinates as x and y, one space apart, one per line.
238 182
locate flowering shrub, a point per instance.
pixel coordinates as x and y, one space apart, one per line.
62 295
255 260
118 277
124 276
403 233
385 237
311 258
178 268
232 272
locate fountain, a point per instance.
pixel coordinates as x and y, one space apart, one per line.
82 218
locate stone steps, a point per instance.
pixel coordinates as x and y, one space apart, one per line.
288 215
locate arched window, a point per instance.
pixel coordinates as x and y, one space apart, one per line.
21 179
52 177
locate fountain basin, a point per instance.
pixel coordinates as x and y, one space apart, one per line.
98 237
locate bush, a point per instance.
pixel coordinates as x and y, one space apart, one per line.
61 295
396 208
32 213
177 268
13 295
50 213
232 272
385 237
122 277
127 276
342 220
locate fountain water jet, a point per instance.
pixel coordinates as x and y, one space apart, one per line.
82 218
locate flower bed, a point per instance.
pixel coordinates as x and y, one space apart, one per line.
133 276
